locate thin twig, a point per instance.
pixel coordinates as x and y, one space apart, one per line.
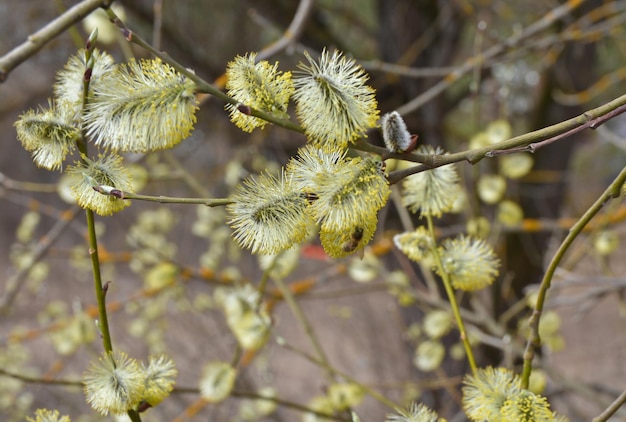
400 70
590 119
43 381
209 202
285 403
610 411
258 396
22 186
158 23
532 147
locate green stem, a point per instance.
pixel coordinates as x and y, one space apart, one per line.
528 142
445 277
133 416
209 202
265 278
534 341
103 321
97 278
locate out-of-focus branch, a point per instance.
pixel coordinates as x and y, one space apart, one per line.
291 33
610 411
471 63
39 380
36 41
14 283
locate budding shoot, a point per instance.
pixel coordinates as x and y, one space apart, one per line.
395 133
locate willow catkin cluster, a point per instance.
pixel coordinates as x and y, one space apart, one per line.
495 394
88 175
144 106
117 383
49 135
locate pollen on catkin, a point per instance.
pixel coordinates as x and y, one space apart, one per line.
485 393
257 85
143 106
471 263
49 135
338 243
333 102
526 407
432 192
268 215
354 192
108 171
114 384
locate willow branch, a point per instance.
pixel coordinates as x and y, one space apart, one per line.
39 39
201 85
610 411
532 147
534 341
528 142
36 380
209 202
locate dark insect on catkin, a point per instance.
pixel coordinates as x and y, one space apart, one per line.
355 238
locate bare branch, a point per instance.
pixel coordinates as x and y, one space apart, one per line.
36 41
292 33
